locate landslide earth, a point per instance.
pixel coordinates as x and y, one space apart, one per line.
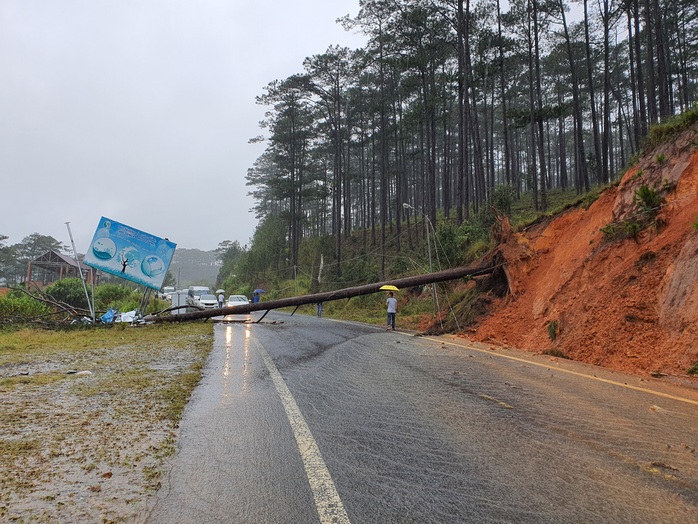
627 304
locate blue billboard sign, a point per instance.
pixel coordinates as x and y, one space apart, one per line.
130 253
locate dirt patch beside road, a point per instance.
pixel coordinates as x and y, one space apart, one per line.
84 429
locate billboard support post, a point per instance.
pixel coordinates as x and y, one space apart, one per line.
144 302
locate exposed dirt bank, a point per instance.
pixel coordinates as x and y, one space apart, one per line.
626 304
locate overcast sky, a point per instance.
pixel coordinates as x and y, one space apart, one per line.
141 110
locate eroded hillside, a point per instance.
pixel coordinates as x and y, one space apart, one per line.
628 304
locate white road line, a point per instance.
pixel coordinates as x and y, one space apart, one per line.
329 506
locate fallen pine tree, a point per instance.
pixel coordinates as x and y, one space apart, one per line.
367 289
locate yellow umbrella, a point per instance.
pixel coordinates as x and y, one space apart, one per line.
388 287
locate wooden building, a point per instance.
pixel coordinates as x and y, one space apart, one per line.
53 266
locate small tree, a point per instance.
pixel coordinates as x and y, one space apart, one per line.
648 200
107 295
69 291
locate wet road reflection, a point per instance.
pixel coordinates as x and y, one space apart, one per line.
236 364
414 430
237 459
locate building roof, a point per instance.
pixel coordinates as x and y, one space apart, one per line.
53 261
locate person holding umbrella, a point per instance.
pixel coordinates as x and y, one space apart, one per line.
255 295
391 303
392 310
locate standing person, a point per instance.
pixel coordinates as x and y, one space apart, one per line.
255 298
392 311
319 309
221 298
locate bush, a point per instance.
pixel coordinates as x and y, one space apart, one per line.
476 250
107 295
622 230
475 231
16 306
611 232
648 200
128 303
447 251
502 198
666 131
69 291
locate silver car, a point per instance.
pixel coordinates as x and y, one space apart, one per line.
237 300
208 302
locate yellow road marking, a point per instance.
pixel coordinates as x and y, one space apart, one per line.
576 373
496 401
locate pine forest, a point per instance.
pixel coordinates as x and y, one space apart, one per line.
453 112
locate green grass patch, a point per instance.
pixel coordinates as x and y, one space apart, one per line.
664 132
369 309
176 394
34 344
523 214
117 382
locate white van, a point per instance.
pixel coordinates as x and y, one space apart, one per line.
195 293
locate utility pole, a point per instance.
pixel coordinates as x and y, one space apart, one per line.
405 205
82 277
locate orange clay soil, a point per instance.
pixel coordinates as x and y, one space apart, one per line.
630 304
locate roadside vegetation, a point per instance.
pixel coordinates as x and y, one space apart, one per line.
448 307
65 301
264 264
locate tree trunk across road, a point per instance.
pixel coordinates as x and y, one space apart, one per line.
367 289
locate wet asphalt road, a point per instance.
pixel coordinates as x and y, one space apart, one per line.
306 420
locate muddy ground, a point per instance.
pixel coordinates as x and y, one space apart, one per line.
83 435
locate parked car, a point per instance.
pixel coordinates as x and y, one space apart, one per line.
208 301
237 300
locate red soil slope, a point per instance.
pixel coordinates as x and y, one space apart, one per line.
629 305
